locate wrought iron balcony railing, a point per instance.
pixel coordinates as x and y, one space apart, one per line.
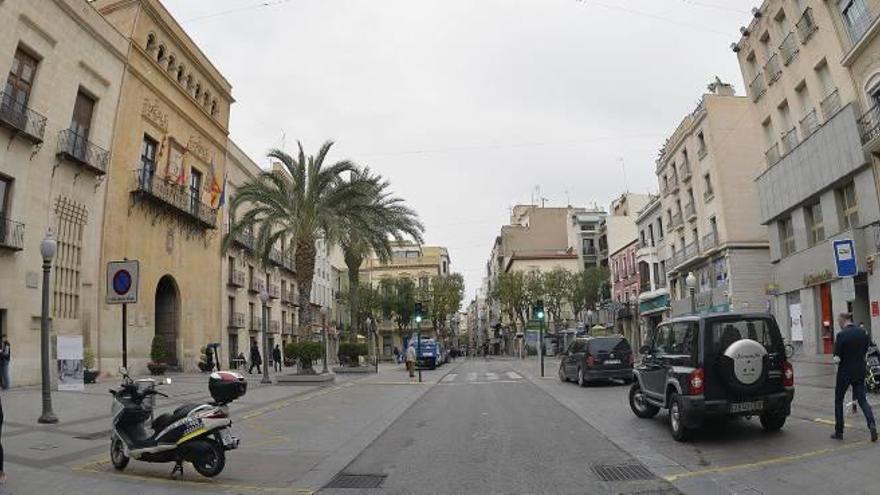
830 105
710 240
789 48
758 87
274 326
685 172
809 123
21 119
78 149
236 320
773 69
690 211
857 26
806 25
256 324
869 124
11 234
173 197
676 221
257 285
245 239
789 140
772 154
274 291
276 257
236 278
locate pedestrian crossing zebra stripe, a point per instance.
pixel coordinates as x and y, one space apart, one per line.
449 378
471 377
513 375
491 376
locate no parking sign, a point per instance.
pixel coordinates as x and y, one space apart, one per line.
122 282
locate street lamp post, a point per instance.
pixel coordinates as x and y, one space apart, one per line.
47 249
324 371
419 344
264 298
691 282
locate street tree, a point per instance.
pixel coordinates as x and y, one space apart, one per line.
447 293
557 288
511 293
398 300
587 288
294 208
380 218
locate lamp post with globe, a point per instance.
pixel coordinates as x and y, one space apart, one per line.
264 298
48 248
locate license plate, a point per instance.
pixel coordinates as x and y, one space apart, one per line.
738 407
611 361
226 437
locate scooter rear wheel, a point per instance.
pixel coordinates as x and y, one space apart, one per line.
212 462
117 454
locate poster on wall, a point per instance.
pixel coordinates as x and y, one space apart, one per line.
70 362
796 321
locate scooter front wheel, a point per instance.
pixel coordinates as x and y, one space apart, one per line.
117 454
210 463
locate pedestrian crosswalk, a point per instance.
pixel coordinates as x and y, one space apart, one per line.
487 377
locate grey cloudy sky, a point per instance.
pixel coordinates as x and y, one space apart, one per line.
468 105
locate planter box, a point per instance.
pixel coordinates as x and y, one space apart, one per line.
89 376
353 370
305 379
157 369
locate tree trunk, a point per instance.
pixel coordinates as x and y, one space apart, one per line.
353 262
304 260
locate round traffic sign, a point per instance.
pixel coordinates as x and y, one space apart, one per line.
121 282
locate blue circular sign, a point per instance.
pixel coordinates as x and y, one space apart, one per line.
121 282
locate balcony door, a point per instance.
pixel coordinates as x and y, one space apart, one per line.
81 124
18 87
195 191
148 162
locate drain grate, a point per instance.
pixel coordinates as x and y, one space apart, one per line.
345 480
93 436
622 472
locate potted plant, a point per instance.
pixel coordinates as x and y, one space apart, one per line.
157 364
89 374
306 353
349 353
289 360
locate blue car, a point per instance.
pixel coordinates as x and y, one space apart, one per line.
428 353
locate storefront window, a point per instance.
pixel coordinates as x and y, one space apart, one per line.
720 268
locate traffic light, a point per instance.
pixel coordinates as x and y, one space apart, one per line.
538 310
418 312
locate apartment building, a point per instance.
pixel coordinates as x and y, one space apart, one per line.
709 206
653 300
816 183
164 185
63 66
409 260
245 277
583 235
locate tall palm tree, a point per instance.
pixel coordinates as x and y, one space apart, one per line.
310 201
379 219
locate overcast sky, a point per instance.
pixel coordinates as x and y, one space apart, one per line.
468 105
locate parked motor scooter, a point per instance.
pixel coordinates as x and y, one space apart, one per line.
196 433
872 368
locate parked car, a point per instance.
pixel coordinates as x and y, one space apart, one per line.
597 358
723 364
428 353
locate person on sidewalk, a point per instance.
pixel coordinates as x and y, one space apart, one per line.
5 356
396 353
256 359
2 469
276 358
411 360
850 348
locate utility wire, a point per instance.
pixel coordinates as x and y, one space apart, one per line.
653 16
260 5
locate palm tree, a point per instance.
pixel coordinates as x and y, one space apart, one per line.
379 219
310 201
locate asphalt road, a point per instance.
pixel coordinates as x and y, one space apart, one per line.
486 428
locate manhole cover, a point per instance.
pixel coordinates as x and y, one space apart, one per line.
345 480
93 436
622 472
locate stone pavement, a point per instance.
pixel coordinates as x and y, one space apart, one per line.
293 437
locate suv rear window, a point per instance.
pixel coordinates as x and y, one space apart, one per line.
726 332
609 344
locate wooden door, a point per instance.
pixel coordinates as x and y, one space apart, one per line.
827 319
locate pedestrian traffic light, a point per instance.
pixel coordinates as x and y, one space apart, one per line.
418 312
538 310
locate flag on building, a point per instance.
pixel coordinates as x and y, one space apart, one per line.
223 193
215 190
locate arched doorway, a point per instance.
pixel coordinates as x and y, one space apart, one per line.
167 316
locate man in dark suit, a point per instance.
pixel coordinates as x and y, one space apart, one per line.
850 347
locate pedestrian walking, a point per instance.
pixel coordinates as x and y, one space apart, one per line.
256 359
396 353
5 356
411 360
850 348
276 357
2 469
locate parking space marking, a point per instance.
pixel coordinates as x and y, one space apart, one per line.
766 462
513 375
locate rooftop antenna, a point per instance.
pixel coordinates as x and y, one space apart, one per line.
567 198
623 167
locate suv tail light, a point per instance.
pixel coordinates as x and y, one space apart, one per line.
787 374
696 382
590 361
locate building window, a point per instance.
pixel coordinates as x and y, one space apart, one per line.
195 191
701 144
20 79
659 228
81 123
180 70
708 192
856 18
786 237
72 218
815 224
849 207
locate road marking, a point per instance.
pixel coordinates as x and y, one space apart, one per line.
449 378
491 376
472 377
766 462
513 375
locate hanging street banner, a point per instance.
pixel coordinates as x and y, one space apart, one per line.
122 282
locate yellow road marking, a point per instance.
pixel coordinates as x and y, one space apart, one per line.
766 462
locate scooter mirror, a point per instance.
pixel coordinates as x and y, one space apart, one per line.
123 371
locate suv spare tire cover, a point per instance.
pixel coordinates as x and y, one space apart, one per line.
743 365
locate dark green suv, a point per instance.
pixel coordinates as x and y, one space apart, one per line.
722 364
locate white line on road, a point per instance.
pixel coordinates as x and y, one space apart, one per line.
513 375
472 377
449 378
491 376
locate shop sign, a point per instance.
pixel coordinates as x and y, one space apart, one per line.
818 278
